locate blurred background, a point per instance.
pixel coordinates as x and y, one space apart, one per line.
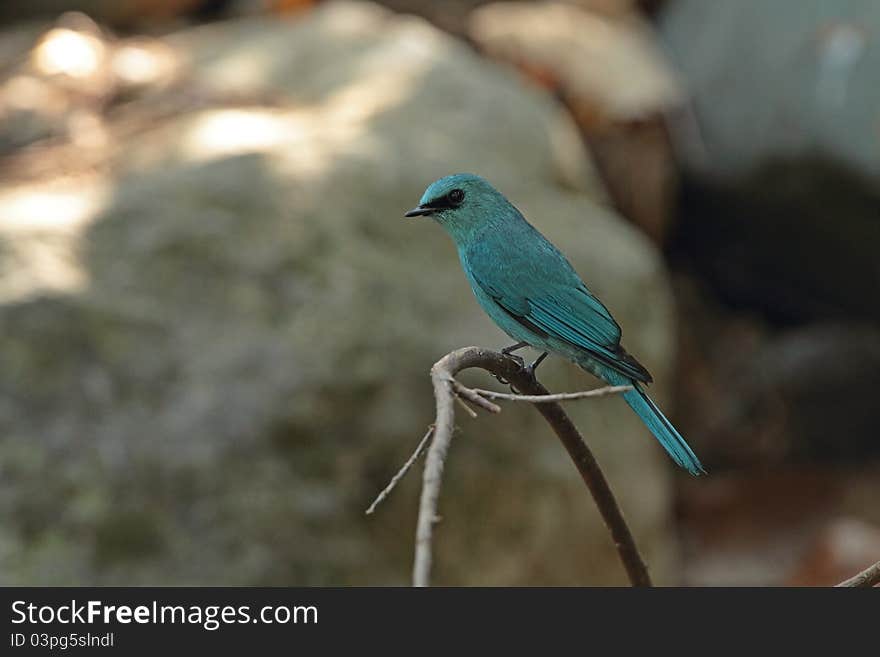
216 327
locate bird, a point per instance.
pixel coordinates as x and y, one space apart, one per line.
532 292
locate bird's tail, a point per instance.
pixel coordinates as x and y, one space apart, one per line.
663 430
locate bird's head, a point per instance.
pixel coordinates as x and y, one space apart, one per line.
460 202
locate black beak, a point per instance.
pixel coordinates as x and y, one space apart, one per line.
420 211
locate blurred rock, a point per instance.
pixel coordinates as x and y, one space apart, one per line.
243 363
450 16
844 548
15 41
612 7
453 15
818 387
603 59
782 152
63 80
114 12
716 349
795 241
784 79
651 7
754 396
585 54
780 527
638 167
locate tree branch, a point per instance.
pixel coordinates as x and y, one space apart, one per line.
558 397
865 579
423 443
446 388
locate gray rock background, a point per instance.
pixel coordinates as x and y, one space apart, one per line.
216 326
779 80
216 353
777 271
779 221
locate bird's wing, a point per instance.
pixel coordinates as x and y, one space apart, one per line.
559 305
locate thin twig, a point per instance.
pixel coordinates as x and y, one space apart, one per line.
445 390
474 397
467 409
865 579
423 444
558 397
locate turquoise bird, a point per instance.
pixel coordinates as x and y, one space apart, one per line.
534 295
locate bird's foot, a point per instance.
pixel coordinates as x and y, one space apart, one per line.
502 380
508 351
519 360
530 370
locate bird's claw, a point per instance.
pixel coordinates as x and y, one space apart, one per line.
519 360
521 363
529 370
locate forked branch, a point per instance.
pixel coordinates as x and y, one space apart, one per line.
447 389
448 392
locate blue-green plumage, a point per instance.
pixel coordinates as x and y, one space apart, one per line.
534 295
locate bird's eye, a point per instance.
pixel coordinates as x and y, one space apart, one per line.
456 196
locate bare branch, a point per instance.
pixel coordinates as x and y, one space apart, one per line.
558 397
446 388
474 397
467 409
423 444
865 579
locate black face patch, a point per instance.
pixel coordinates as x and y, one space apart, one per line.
451 200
